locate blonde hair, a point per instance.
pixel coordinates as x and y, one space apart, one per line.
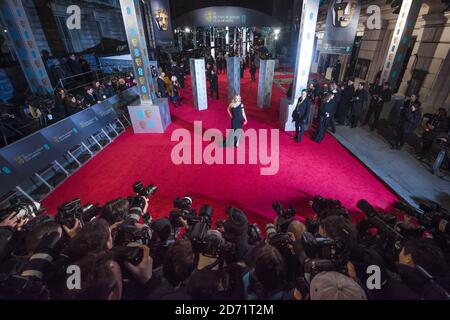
236 99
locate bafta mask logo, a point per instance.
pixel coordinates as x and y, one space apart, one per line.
343 11
162 19
134 42
20 159
143 125
209 16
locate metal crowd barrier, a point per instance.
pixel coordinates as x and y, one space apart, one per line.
35 165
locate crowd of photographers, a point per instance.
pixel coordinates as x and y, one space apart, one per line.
119 252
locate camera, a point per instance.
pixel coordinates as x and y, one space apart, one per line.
320 204
131 254
142 191
210 243
130 233
31 282
23 210
184 203
322 254
283 213
254 234
183 209
282 242
69 211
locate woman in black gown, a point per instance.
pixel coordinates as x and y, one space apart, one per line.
238 117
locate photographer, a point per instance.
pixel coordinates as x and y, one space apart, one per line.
335 286
408 282
93 239
213 278
115 211
380 95
21 250
236 232
267 280
8 226
436 127
411 114
177 267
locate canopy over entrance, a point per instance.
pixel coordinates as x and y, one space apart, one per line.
226 17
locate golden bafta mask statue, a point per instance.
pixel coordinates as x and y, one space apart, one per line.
162 19
343 11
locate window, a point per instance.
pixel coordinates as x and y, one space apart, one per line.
416 82
361 68
64 33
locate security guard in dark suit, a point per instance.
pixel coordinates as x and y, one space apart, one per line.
300 115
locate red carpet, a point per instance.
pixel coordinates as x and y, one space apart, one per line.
306 169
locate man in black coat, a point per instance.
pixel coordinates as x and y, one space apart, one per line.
360 98
253 71
301 114
89 98
346 102
161 86
411 114
327 107
380 96
436 127
74 65
336 101
214 84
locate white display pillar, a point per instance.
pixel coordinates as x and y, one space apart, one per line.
197 67
265 81
151 115
213 44
304 56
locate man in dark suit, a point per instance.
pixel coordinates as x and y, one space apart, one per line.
411 115
346 101
334 107
380 96
214 84
360 98
89 98
301 114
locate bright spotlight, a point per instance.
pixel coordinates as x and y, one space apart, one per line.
187 29
277 31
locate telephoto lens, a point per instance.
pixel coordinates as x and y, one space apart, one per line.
42 258
270 230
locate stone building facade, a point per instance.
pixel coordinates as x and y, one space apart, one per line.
427 69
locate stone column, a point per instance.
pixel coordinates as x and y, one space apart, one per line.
204 37
400 41
22 40
304 56
233 77
180 41
265 81
197 67
194 38
152 115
